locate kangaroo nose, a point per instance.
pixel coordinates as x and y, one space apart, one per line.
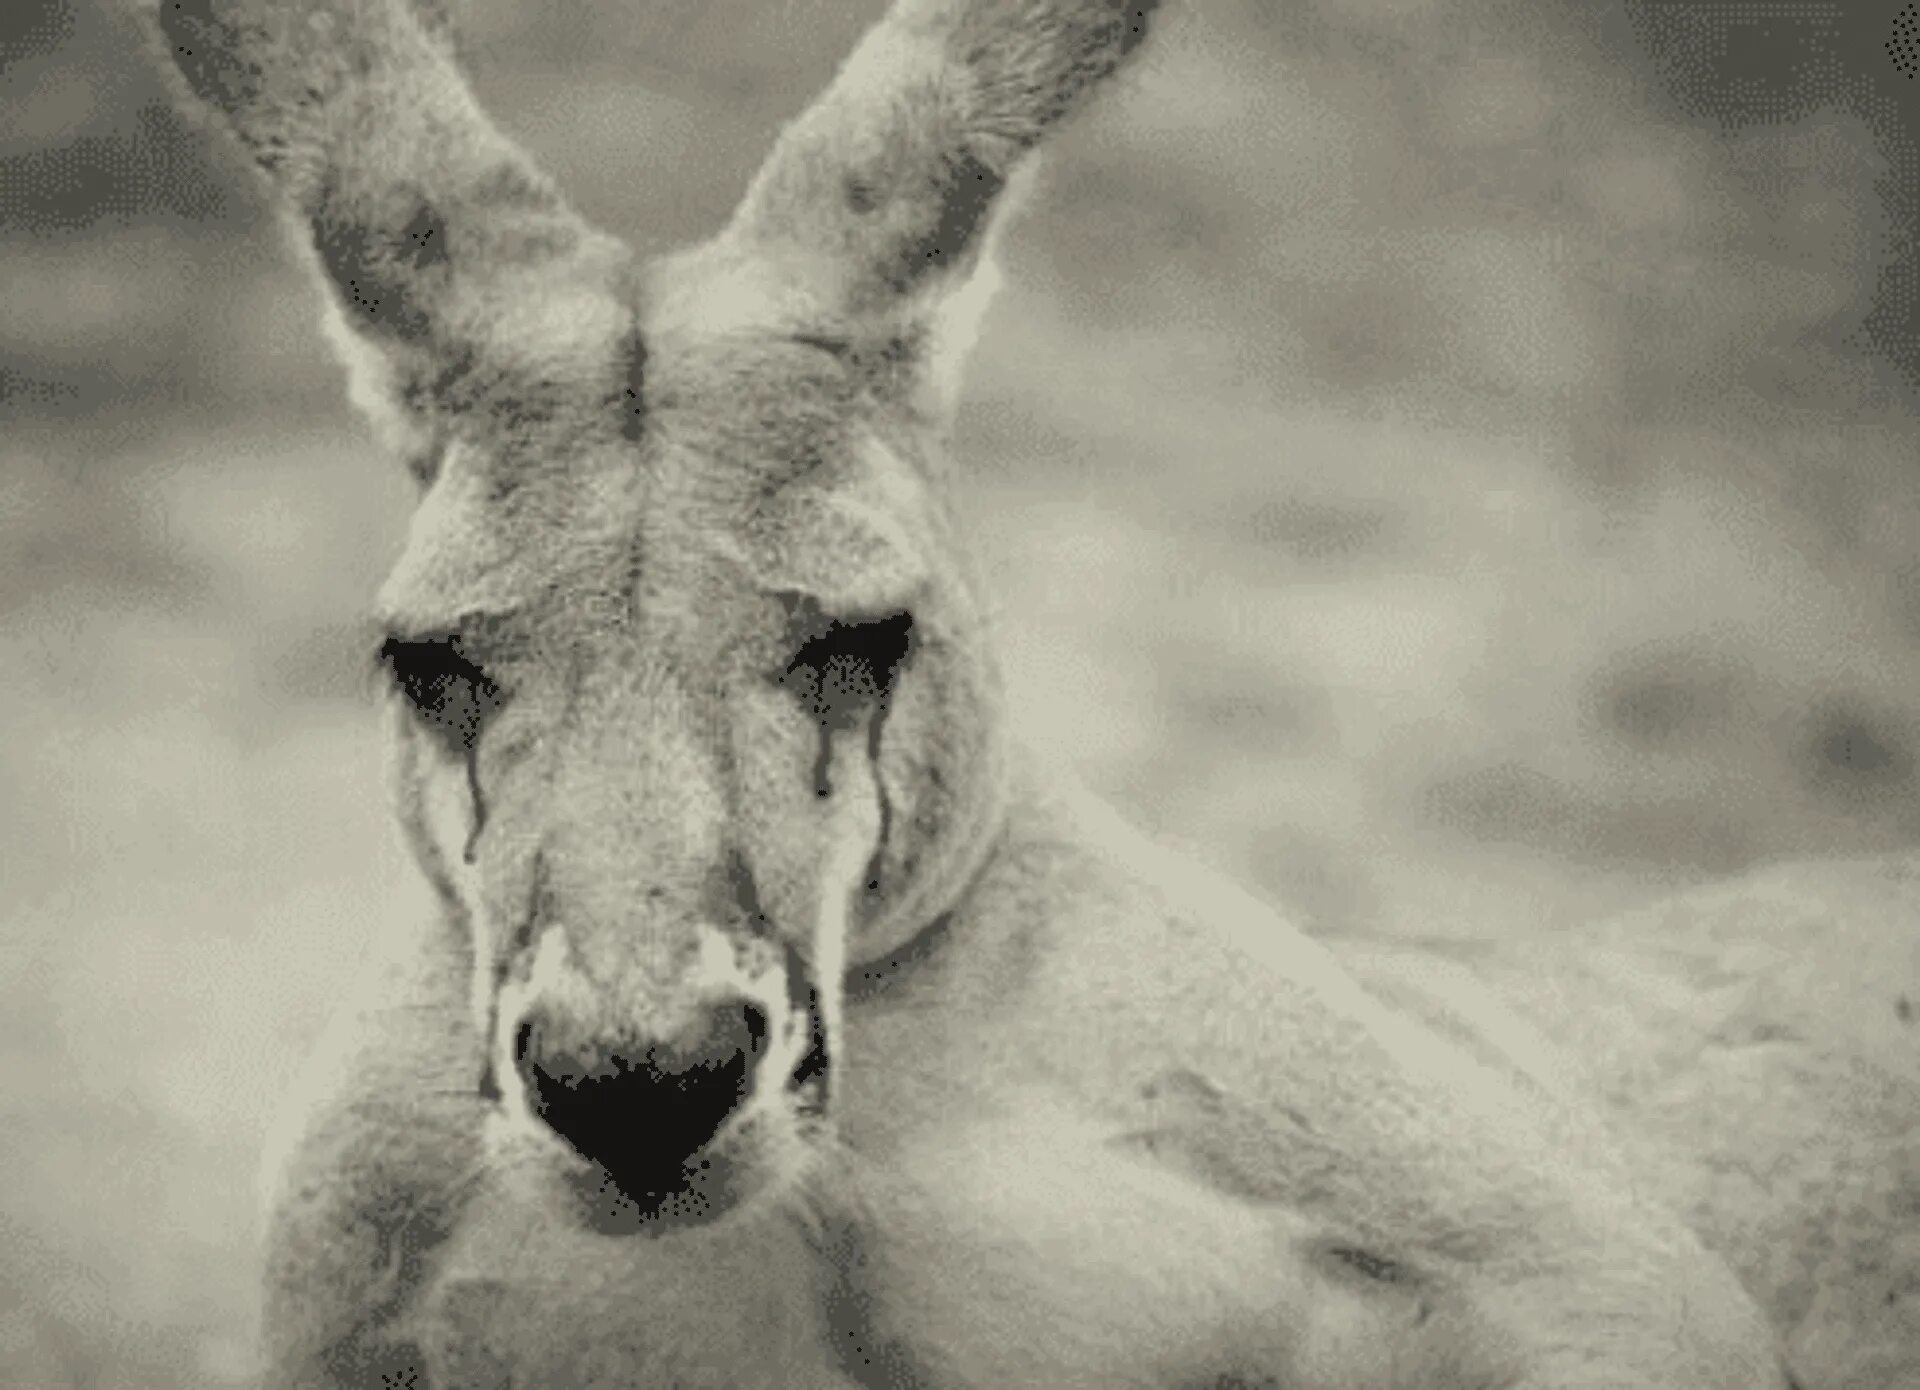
642 1110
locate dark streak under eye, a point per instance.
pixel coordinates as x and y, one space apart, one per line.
823 763
450 693
843 675
874 729
471 851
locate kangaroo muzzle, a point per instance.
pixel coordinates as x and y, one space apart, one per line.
643 1107
640 1073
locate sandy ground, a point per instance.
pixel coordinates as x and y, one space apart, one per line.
1416 474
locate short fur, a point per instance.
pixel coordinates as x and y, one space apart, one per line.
1094 1117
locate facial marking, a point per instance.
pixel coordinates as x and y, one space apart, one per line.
446 816
854 833
509 1006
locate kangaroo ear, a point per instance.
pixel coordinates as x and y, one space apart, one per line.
882 200
469 297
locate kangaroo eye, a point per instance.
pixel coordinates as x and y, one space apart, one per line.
447 689
844 668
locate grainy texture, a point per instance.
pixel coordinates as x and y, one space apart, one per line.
1441 464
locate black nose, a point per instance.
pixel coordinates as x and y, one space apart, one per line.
642 1110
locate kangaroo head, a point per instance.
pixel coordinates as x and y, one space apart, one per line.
691 706
692 712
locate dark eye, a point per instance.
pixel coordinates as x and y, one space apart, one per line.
843 669
445 686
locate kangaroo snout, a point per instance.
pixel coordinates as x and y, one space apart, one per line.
642 1107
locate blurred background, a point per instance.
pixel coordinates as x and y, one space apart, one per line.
1452 463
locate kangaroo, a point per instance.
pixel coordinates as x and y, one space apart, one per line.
783 1024
1751 1045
